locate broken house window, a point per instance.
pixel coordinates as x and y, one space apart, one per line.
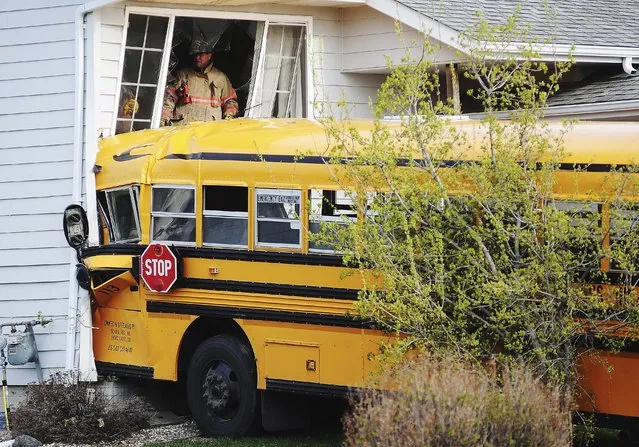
143 52
264 61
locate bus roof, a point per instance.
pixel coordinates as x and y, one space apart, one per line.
133 157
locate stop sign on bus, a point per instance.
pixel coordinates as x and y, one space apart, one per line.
158 267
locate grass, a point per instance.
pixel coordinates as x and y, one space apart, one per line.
265 440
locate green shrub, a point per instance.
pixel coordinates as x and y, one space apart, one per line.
65 410
444 403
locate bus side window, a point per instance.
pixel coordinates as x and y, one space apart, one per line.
173 214
278 218
624 229
328 206
226 216
103 219
119 211
585 217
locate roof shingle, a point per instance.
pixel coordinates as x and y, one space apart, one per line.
580 22
621 87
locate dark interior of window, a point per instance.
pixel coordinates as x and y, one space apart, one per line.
226 198
233 49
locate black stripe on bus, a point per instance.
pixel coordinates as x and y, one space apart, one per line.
225 254
255 314
118 369
267 288
318 159
261 256
606 420
308 388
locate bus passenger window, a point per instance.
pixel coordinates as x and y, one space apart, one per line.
624 231
226 215
173 214
278 218
585 217
328 206
119 211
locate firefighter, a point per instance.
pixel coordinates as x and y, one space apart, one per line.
200 93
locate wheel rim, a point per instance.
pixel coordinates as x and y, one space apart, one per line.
221 391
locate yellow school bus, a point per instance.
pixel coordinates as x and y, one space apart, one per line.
257 309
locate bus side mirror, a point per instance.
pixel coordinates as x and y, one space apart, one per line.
76 226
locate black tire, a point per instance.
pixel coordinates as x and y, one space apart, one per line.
221 387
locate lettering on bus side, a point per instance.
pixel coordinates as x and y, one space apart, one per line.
120 336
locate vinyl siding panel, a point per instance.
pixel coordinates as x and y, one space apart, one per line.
30 222
36 103
37 34
36 149
36 154
33 189
37 52
26 70
37 256
39 291
370 38
36 120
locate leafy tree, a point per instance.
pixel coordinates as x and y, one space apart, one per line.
466 246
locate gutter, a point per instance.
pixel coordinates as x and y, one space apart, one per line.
72 314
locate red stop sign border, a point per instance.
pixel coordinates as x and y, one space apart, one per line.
148 252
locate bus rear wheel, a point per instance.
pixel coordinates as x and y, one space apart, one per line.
221 387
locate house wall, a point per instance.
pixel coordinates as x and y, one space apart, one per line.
370 37
36 153
331 84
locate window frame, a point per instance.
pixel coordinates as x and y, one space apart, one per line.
154 214
257 219
314 218
134 195
227 214
172 13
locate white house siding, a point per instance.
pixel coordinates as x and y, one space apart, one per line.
370 37
36 152
331 84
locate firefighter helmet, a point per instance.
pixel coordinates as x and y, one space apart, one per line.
200 46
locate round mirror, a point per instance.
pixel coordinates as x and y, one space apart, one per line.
76 226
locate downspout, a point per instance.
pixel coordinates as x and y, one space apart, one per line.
72 315
626 64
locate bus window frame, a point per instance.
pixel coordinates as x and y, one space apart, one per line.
134 196
318 218
257 219
154 214
227 214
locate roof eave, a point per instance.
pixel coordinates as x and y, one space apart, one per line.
418 21
549 52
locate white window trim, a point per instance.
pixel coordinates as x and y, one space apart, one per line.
178 215
163 69
172 13
276 219
134 195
